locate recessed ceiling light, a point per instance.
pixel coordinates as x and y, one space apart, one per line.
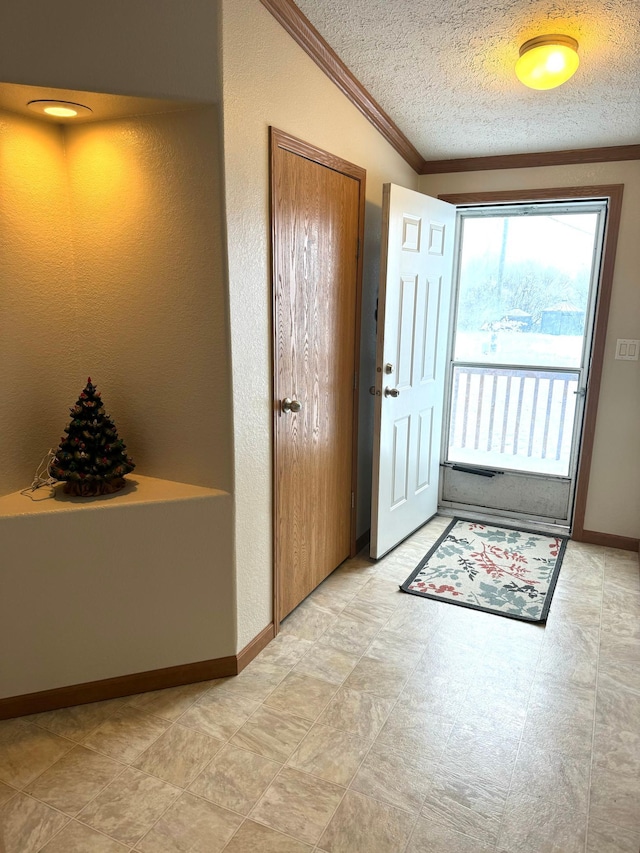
547 61
58 109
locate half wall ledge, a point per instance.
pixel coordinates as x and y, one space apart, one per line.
139 490
101 588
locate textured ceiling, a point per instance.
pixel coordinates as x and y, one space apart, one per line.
444 71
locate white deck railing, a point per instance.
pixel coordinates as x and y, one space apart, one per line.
513 417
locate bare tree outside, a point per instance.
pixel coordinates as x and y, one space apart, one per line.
516 307
523 302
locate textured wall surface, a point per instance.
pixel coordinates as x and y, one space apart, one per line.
152 48
151 320
38 339
112 267
112 264
445 71
614 488
269 80
149 597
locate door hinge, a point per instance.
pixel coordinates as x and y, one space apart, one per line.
353 500
355 380
358 248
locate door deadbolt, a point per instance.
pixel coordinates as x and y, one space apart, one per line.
289 405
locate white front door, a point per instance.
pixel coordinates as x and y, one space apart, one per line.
413 316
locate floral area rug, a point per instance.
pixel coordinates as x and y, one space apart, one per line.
496 569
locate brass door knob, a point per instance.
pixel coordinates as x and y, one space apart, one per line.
289 405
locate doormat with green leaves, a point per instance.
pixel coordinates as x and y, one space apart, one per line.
496 569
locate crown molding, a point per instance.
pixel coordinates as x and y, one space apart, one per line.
524 161
305 34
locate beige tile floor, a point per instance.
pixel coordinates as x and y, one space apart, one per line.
377 722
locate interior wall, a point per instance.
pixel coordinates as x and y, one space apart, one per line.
151 319
38 344
148 48
152 48
613 504
112 267
173 310
267 79
135 604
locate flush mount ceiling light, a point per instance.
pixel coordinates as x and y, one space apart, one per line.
58 109
547 61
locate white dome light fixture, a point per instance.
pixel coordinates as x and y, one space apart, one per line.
547 61
59 109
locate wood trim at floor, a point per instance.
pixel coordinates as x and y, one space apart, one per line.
253 649
609 540
113 688
314 45
137 682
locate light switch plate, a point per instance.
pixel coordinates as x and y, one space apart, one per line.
627 350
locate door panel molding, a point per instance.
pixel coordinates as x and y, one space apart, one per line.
430 337
613 193
425 445
279 142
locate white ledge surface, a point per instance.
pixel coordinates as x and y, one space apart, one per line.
139 490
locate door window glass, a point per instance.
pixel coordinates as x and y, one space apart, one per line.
524 286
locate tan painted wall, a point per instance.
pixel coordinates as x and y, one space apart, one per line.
112 266
269 80
148 48
151 317
613 505
114 587
38 350
151 48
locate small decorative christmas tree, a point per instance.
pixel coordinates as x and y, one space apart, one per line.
91 458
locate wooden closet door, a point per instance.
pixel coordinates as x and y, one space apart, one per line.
317 211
